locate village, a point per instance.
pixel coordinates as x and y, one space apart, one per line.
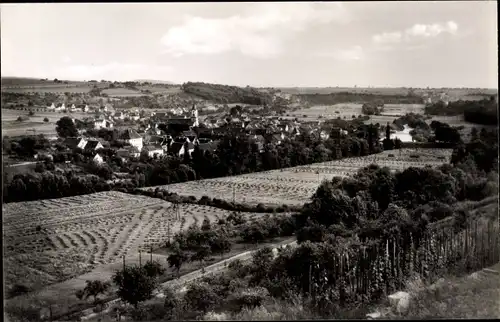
158 134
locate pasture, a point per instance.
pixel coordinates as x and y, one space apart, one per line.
49 241
347 110
294 186
12 127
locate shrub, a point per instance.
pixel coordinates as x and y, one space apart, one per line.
18 289
201 297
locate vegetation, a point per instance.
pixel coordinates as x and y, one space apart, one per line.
371 210
65 127
349 97
136 284
481 112
227 94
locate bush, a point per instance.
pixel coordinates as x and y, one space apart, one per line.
201 297
46 119
18 289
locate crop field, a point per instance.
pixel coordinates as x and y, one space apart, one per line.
294 186
58 89
53 240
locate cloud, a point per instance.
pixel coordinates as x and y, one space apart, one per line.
415 33
350 54
66 59
387 37
115 71
261 33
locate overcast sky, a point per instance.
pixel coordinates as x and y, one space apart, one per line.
449 44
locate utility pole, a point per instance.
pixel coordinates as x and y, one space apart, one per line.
151 253
140 255
168 231
123 263
310 281
233 194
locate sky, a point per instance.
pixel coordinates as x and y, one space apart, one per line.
411 44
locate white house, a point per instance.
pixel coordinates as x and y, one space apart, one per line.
119 115
133 138
52 107
85 108
103 123
98 159
153 150
73 107
62 107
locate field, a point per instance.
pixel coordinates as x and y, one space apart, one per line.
454 93
12 127
294 186
49 241
347 110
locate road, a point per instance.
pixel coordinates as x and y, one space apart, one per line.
180 284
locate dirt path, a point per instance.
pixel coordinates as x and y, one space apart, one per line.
181 283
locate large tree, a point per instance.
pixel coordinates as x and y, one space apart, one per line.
66 128
135 284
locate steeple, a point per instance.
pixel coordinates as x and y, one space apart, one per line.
194 114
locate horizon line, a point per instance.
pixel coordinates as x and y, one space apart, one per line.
268 86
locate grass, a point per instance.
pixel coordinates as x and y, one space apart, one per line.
458 298
12 127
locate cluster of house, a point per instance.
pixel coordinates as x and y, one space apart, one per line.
160 134
431 97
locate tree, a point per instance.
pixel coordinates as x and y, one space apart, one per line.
176 259
93 288
46 120
205 226
201 297
154 269
134 284
31 113
66 128
220 244
202 252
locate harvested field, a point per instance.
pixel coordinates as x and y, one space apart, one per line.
294 186
49 241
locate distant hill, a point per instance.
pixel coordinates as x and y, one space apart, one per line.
152 81
227 94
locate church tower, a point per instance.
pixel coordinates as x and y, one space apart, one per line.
194 115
